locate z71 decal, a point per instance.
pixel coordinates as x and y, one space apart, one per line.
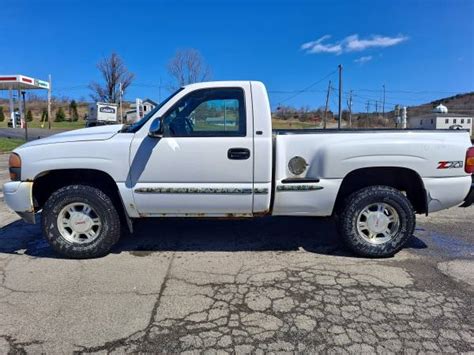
450 164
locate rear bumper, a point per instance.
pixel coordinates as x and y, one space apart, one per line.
470 196
18 196
446 192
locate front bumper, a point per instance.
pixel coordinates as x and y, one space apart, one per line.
470 196
18 195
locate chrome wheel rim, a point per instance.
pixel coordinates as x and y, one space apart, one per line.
79 223
378 223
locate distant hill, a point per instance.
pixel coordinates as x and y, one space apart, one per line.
461 104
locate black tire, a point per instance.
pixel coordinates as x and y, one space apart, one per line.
103 207
354 205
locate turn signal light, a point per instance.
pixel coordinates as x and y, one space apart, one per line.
14 166
469 166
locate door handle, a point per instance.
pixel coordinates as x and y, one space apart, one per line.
238 153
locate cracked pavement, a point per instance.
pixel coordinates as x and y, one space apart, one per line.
264 285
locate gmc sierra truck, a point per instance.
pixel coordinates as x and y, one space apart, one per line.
209 151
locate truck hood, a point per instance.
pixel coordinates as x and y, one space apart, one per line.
98 133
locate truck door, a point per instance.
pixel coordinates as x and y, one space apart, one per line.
203 164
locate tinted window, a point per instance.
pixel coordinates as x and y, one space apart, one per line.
207 113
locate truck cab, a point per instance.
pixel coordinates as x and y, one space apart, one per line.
218 151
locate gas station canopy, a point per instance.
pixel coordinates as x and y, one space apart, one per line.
21 82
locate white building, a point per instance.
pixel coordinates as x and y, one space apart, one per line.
143 108
441 119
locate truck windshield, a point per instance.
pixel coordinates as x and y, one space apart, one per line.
132 128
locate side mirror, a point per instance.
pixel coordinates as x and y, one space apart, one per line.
156 128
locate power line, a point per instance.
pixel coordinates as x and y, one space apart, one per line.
308 87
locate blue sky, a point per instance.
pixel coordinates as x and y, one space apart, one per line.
420 50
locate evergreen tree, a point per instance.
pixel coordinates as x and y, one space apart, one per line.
2 114
29 116
73 114
60 115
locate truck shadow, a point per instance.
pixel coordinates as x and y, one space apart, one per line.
316 235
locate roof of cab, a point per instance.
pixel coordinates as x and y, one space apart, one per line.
229 83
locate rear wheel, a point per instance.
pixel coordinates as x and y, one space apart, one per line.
377 221
80 222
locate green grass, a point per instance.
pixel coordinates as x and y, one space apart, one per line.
292 124
8 144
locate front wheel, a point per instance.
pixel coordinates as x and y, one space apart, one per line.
377 221
80 222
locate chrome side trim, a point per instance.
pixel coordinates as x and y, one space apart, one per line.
195 190
299 187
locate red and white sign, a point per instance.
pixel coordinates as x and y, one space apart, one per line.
21 82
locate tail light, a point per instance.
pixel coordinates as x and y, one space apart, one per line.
14 165
469 166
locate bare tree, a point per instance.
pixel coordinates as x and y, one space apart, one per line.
187 67
114 72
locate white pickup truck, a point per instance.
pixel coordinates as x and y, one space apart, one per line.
209 151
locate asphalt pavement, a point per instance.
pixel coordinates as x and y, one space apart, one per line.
263 285
33 133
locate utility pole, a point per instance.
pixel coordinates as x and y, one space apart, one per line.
376 108
327 103
368 108
340 97
49 102
120 102
349 104
383 104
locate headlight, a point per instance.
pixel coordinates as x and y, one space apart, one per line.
14 166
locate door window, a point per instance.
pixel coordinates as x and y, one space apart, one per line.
207 113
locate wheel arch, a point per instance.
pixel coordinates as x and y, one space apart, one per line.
403 179
48 182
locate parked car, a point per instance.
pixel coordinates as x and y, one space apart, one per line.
209 151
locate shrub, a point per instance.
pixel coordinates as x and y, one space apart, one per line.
60 115
29 116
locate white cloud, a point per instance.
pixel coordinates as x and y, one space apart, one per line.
351 43
363 59
318 47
